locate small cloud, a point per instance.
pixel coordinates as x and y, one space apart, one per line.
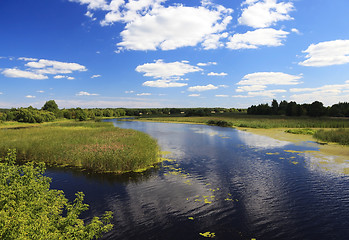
223 86
27 59
202 88
95 76
222 74
143 94
206 64
70 78
82 93
222 96
129 91
63 76
40 91
295 30
163 84
194 95
30 96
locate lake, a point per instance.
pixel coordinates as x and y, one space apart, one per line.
232 183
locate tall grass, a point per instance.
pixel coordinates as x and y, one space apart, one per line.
90 145
252 121
340 136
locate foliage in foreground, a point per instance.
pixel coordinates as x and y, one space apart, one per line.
29 209
340 136
95 146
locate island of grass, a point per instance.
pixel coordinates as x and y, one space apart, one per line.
96 146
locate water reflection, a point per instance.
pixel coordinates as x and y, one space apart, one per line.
235 184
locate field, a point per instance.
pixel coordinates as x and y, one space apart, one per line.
89 145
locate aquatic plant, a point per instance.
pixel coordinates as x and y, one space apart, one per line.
340 136
90 145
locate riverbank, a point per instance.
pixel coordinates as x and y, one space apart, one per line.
95 146
275 127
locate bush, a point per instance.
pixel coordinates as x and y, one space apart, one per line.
340 136
29 209
220 123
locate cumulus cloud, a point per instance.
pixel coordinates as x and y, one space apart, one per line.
167 74
327 53
63 76
44 66
27 59
266 93
222 96
149 25
30 96
265 13
16 73
96 76
144 94
270 78
202 88
222 74
163 84
251 88
253 39
194 95
40 91
206 64
82 93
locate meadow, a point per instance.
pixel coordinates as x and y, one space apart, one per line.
97 146
321 128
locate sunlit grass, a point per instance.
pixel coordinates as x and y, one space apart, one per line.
340 136
90 145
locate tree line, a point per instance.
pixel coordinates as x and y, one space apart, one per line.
315 109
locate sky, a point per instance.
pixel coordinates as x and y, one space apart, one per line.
158 53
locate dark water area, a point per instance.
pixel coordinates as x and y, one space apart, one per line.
219 180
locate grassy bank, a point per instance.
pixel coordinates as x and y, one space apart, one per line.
340 136
253 121
90 145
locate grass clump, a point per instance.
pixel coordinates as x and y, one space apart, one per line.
340 136
304 131
95 146
220 123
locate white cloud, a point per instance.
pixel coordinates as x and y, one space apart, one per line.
82 93
265 13
251 88
266 93
194 95
129 91
40 91
295 30
217 74
93 4
16 73
30 96
270 78
206 64
1 93
167 74
95 76
163 84
253 39
160 69
202 88
327 53
144 94
222 96
63 76
44 66
168 28
27 59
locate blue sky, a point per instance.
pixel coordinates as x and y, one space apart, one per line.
158 53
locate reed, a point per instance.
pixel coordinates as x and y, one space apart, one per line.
340 136
95 146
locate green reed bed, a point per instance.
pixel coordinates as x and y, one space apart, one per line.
340 136
254 121
90 145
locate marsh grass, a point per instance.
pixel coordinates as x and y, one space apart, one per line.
340 136
253 121
95 146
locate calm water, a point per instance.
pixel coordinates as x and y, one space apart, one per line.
229 182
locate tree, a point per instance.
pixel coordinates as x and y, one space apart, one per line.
50 106
29 209
274 107
316 109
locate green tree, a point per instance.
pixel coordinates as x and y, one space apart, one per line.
29 209
50 106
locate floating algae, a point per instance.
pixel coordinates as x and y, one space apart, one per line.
208 234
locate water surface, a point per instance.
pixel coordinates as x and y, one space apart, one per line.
219 180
